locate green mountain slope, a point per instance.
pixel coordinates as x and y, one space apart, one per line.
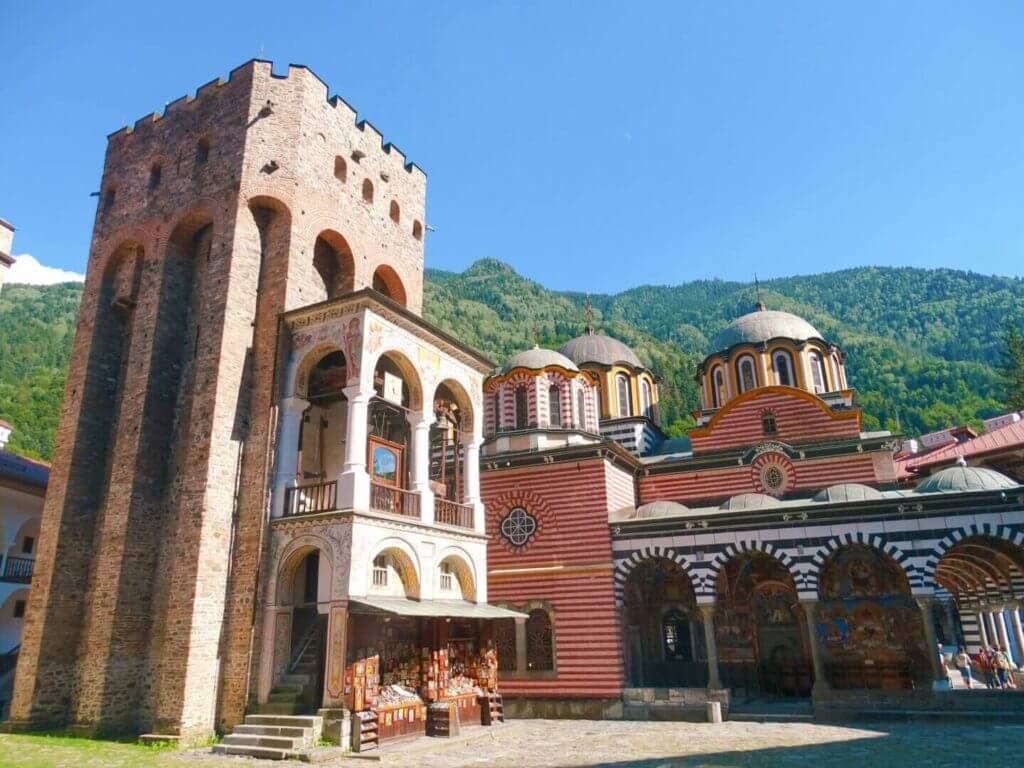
922 345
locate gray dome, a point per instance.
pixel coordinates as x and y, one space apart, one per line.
750 501
848 492
594 348
763 325
660 509
956 479
536 359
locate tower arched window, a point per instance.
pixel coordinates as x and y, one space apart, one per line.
395 212
522 408
818 373
340 169
837 380
646 401
555 405
783 364
747 376
367 191
622 390
718 387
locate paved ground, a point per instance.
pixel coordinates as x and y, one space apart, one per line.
606 744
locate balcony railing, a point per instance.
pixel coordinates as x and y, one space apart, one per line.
452 513
307 499
18 569
397 501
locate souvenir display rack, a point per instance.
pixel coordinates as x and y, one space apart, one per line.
365 731
492 709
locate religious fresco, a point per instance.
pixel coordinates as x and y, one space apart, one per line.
757 614
867 616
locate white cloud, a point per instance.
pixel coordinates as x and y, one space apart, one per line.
27 269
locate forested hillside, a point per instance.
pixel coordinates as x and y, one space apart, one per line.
923 346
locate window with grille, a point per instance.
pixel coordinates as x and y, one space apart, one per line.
505 644
748 379
380 571
768 424
783 365
622 386
446 577
522 408
540 645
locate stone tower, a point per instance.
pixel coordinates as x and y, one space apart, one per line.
257 196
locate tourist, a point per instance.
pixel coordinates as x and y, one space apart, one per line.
1001 667
985 665
963 663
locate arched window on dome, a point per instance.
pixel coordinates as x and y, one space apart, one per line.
522 408
622 389
496 410
837 380
581 409
818 373
782 362
746 374
646 402
717 387
555 405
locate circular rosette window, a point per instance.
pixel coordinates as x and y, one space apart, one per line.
518 526
772 473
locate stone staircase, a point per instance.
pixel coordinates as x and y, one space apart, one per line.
282 727
272 737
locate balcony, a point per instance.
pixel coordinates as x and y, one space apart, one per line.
18 570
397 501
309 499
452 513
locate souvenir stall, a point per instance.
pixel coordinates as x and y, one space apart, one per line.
418 675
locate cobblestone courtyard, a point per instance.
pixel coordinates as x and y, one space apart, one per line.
607 744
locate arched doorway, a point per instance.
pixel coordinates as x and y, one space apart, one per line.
304 586
760 628
663 632
868 623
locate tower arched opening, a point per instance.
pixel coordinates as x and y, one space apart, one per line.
387 282
334 266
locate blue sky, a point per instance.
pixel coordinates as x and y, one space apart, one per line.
592 145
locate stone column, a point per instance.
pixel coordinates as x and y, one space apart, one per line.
520 645
982 630
419 463
990 628
714 679
334 655
1018 633
471 478
354 481
286 465
1000 622
940 678
817 657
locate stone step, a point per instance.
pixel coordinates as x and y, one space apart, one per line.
281 708
267 753
285 721
292 732
286 697
290 679
286 687
274 742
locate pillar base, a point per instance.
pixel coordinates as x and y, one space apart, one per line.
941 685
354 489
337 725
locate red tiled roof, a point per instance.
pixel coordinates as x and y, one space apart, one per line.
1006 437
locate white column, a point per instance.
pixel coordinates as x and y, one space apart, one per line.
817 659
354 481
940 678
711 644
1018 633
990 627
286 464
471 479
419 467
1000 621
982 630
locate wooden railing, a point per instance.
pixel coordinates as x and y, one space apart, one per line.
452 513
307 499
18 569
397 501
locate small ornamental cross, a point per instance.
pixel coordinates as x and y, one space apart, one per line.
588 315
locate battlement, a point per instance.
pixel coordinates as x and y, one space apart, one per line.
244 76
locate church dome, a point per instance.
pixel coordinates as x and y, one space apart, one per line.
595 348
749 501
660 509
763 325
848 492
957 479
537 359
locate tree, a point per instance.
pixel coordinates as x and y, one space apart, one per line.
1013 367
